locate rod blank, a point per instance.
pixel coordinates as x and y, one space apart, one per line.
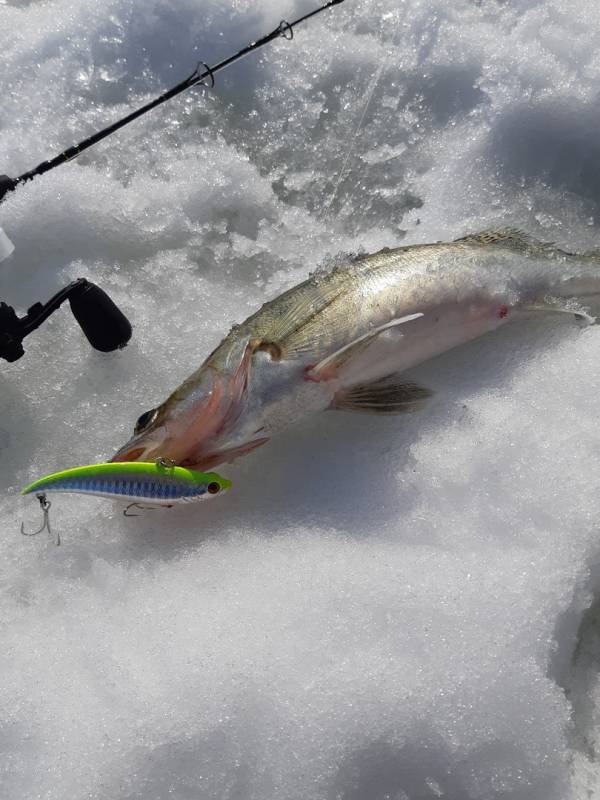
285 29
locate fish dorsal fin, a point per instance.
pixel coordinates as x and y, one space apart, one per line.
359 257
512 238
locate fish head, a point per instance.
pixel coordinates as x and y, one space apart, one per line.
197 426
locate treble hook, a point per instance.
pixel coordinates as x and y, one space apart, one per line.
45 506
132 505
128 513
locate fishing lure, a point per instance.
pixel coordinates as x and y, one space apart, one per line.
143 485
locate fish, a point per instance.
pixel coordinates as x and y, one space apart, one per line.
136 483
343 338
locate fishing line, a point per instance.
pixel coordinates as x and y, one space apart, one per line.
341 174
370 92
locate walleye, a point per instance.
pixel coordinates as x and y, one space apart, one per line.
342 340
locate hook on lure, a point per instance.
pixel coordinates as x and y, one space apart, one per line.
45 506
140 507
144 485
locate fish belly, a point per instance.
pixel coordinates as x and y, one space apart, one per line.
441 328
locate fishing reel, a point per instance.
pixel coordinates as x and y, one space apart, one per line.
103 323
6 185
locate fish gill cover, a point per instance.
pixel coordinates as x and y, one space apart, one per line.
382 608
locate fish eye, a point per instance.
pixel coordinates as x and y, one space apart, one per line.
213 487
146 419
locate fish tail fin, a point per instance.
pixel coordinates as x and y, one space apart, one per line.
580 287
592 255
577 292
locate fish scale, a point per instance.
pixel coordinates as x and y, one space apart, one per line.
343 339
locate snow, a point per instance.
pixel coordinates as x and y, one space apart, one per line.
401 608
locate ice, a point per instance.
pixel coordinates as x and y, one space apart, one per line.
6 246
402 608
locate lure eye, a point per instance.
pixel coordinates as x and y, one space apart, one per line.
213 487
146 419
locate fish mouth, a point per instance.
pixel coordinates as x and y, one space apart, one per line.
200 435
199 461
136 452
128 453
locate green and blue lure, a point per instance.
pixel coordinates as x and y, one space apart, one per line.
141 485
137 482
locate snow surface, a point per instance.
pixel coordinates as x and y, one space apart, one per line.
402 608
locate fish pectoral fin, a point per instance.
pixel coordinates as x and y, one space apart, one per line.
294 330
384 396
559 306
331 365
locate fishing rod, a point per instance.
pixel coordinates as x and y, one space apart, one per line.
103 323
285 29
